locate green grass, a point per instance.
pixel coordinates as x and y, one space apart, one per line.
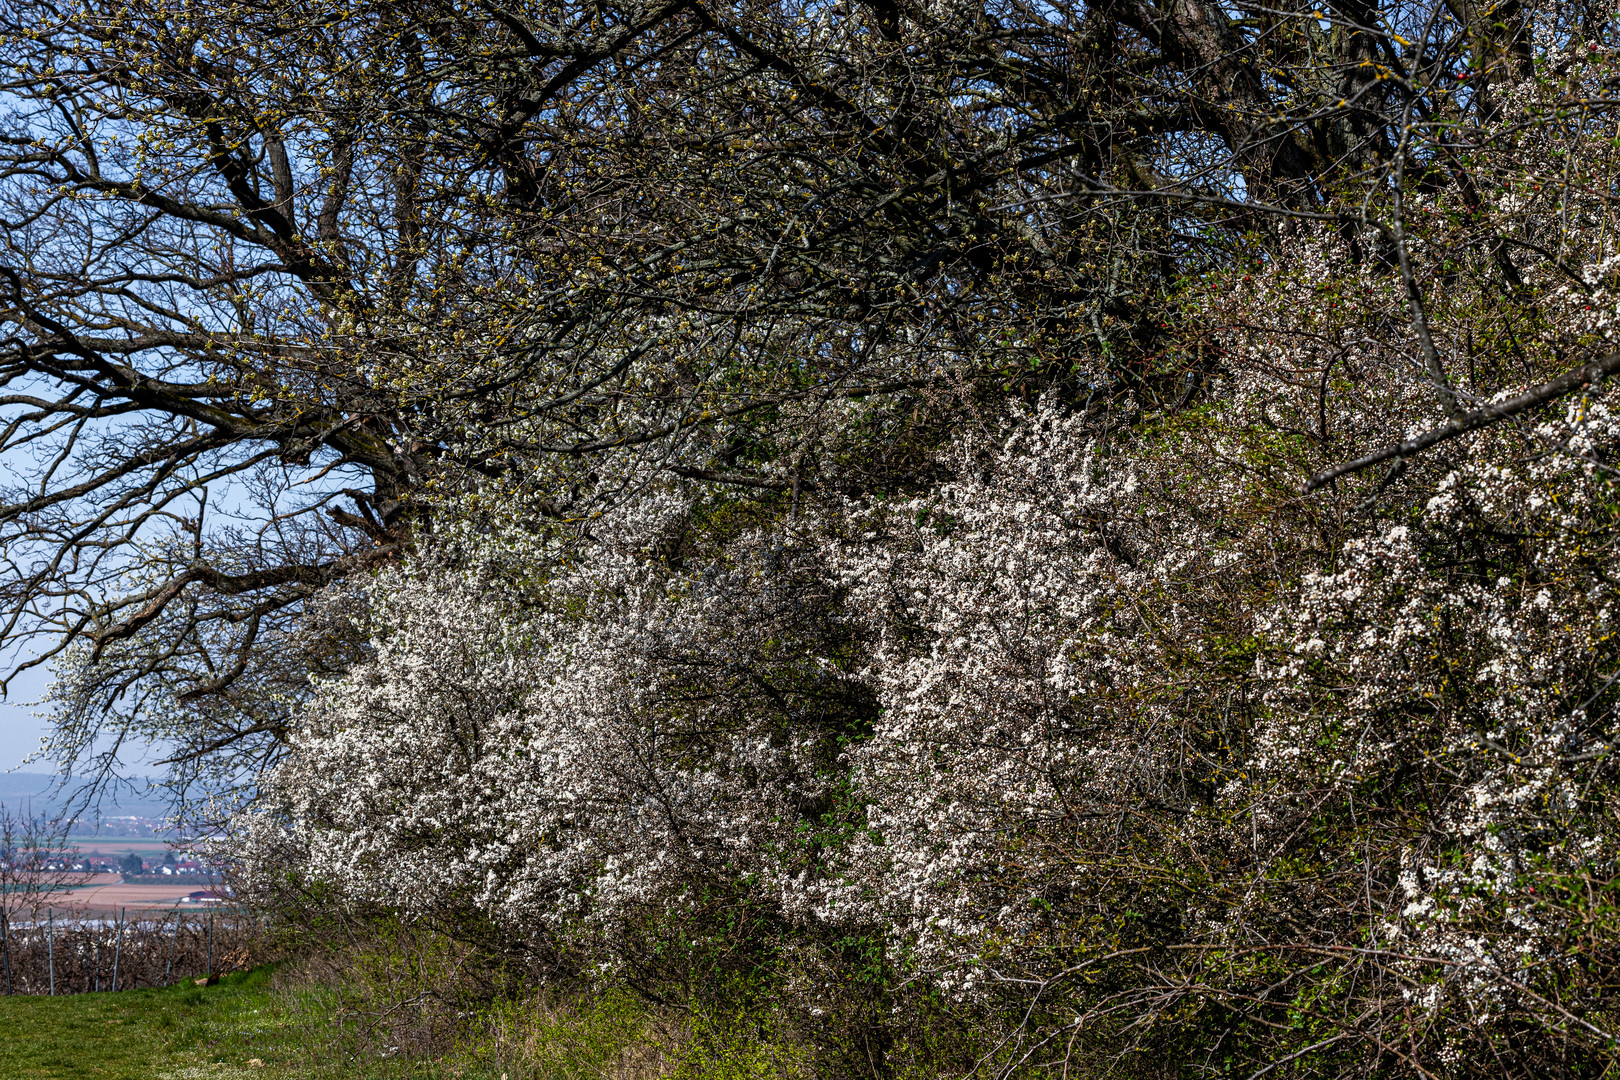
245 1028
140 1034
187 1033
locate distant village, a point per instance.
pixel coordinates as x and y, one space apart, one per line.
135 868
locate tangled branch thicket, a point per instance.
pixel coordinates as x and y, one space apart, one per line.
68 953
1065 538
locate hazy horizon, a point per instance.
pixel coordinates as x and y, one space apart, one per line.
40 788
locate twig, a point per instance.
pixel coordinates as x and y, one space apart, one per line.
1567 383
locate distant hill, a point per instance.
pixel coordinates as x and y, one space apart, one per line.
18 789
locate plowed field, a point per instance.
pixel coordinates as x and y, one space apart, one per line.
107 893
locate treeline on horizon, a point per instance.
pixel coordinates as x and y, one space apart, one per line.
932 537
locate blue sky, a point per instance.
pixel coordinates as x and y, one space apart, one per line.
19 729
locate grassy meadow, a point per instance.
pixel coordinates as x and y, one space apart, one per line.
239 1027
257 1025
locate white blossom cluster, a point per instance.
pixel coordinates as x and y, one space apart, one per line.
1015 614
1470 650
562 756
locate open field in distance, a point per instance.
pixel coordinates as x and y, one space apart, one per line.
145 846
102 893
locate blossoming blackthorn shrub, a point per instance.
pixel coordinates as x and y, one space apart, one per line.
1104 746
1104 757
